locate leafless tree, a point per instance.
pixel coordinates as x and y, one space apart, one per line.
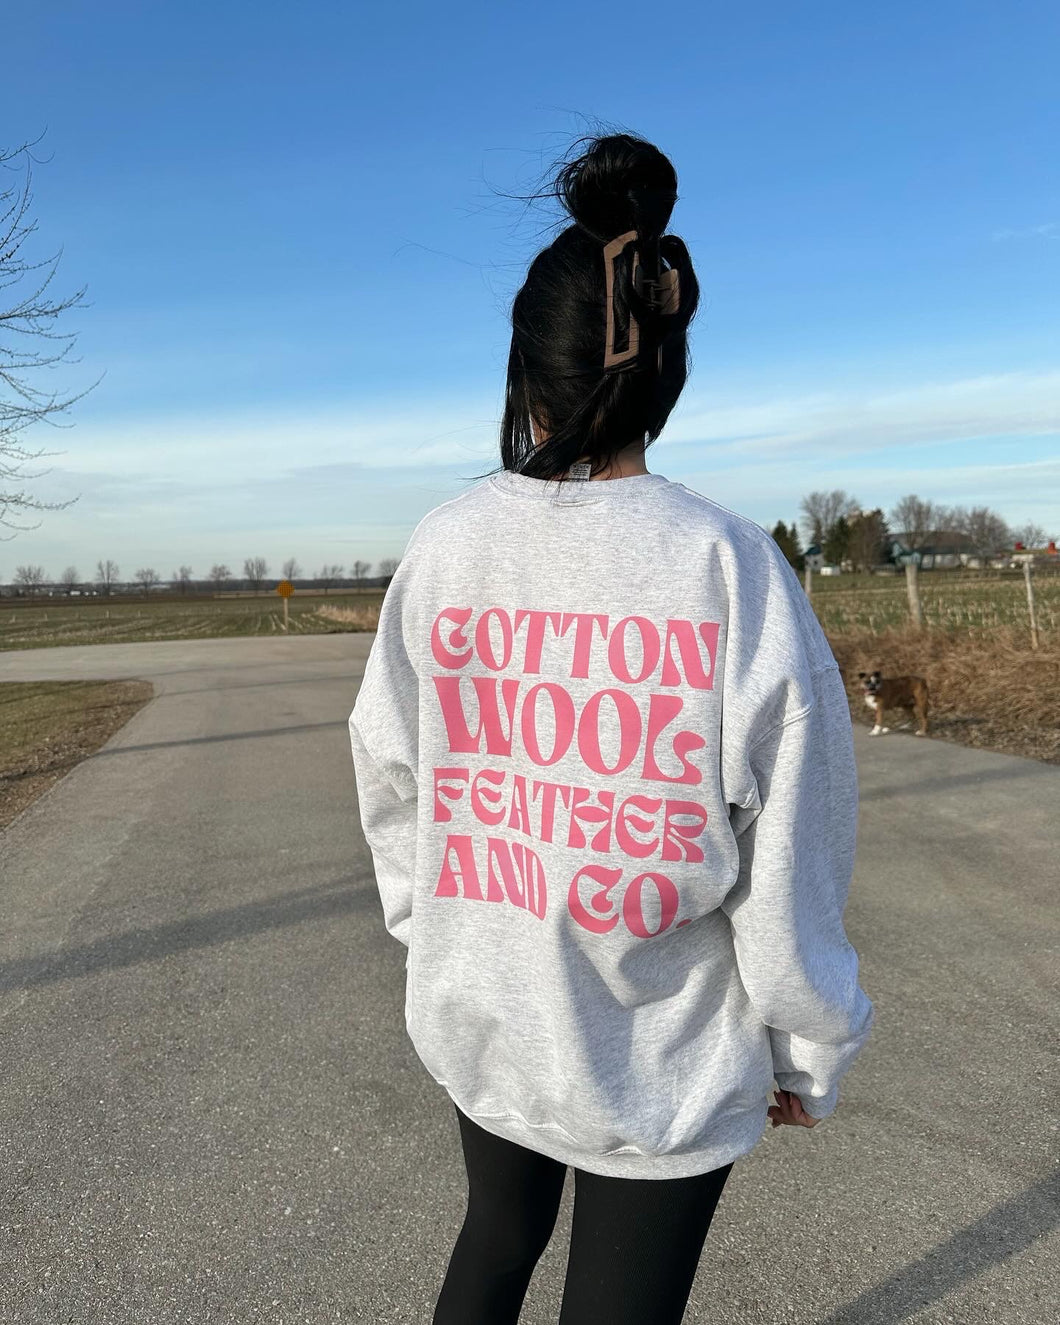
28 317
146 579
291 569
820 511
984 529
329 576
914 519
218 575
106 575
387 568
70 579
254 571
1030 535
31 578
359 571
182 578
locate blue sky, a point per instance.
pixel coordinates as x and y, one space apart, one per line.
299 267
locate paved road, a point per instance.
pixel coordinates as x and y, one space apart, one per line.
209 1110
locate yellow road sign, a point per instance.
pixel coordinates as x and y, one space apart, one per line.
285 588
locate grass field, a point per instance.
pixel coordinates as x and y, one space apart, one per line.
128 620
953 602
950 601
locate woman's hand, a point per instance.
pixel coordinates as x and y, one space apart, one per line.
788 1110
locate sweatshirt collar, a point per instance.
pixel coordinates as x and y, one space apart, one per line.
576 491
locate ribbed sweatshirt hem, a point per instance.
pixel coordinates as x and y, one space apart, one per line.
739 1134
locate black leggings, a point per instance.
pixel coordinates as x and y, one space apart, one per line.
635 1242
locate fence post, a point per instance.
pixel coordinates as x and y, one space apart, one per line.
912 588
809 581
1030 603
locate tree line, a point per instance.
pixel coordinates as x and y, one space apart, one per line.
107 580
844 532
833 522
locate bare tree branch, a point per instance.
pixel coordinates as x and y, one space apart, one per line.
387 568
254 571
820 511
914 519
146 579
31 578
106 575
31 316
329 575
1031 536
986 531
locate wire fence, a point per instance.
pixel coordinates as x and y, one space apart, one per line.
952 600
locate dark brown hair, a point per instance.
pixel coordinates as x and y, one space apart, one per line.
556 377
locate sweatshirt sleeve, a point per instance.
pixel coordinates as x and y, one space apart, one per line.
384 741
796 838
388 821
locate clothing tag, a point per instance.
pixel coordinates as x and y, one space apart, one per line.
579 471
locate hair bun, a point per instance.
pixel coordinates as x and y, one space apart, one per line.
620 183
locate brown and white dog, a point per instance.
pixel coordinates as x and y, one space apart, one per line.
895 692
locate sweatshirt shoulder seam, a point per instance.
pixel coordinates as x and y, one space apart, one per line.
784 722
726 510
426 519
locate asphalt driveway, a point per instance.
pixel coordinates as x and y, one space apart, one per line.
209 1110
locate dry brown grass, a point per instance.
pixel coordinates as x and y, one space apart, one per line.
48 727
354 618
988 689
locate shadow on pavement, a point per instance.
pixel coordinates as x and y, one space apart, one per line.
226 685
1004 1231
148 945
957 780
108 751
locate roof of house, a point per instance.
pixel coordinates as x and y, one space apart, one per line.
938 541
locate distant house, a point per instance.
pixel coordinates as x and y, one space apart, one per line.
941 550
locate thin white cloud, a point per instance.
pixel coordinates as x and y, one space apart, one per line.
219 448
1048 230
1000 405
1019 491
209 485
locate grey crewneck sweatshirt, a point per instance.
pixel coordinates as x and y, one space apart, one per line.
604 765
